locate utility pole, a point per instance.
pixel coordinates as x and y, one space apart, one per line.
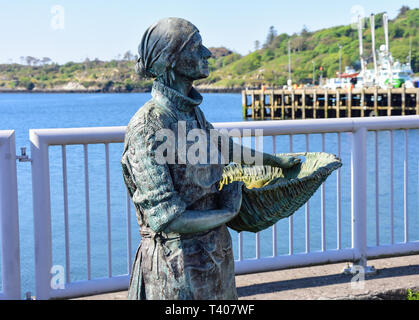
340 60
410 52
313 72
289 63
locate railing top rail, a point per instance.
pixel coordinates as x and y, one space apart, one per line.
93 135
275 127
5 134
77 135
353 91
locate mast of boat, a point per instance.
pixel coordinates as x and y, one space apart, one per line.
387 51
361 49
372 23
385 25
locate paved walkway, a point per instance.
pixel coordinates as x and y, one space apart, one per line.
394 276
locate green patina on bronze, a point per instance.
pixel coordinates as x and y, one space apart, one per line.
186 249
194 258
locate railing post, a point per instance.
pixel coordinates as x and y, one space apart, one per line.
244 103
9 219
42 215
359 200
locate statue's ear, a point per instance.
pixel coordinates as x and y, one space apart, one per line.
161 66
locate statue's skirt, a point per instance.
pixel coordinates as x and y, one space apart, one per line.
270 193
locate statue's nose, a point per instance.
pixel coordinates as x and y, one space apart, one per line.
206 53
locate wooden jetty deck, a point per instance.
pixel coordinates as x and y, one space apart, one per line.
312 103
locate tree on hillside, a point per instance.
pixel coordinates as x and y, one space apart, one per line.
128 56
298 44
305 32
402 11
45 60
30 60
257 45
270 37
219 52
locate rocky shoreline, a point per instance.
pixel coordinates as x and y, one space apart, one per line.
97 90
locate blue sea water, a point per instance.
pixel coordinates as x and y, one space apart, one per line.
22 112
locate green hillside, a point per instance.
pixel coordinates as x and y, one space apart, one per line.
96 76
270 64
229 70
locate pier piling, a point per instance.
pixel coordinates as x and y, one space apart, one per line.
307 103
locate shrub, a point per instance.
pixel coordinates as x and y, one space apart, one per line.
26 83
247 64
230 58
108 85
268 55
412 295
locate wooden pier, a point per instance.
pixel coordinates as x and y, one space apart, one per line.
276 104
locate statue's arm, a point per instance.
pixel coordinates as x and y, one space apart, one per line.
163 208
151 185
195 221
267 159
192 221
237 154
237 151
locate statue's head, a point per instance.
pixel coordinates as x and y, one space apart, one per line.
172 46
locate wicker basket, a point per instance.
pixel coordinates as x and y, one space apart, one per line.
271 193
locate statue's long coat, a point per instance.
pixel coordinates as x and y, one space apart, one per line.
174 266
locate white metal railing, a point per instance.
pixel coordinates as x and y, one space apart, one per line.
359 251
41 139
40 142
9 220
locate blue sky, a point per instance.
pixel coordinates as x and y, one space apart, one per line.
104 29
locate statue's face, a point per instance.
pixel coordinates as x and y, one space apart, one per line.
192 62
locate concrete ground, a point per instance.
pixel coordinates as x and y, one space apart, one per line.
393 278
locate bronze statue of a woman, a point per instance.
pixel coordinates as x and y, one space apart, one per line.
186 249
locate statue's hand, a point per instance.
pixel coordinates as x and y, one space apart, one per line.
231 196
283 161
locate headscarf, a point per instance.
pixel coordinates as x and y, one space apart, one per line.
161 44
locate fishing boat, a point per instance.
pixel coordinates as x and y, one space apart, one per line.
344 81
393 74
387 72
